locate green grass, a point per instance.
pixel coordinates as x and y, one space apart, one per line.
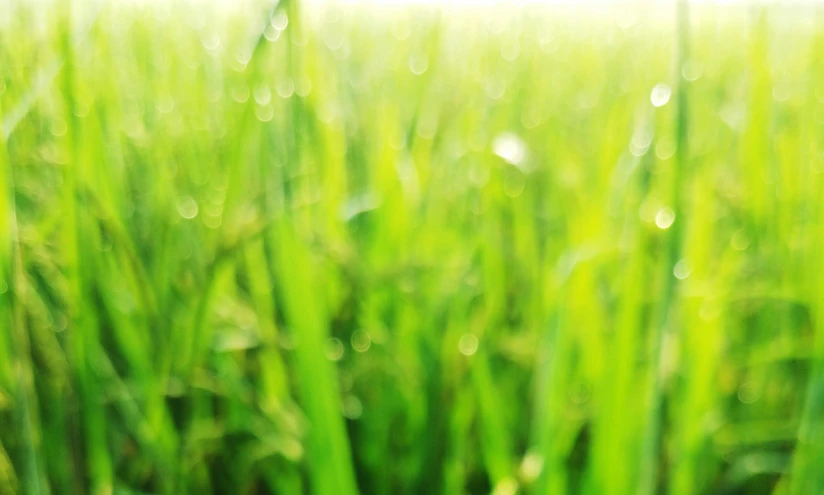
379 250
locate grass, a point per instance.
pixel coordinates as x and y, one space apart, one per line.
392 250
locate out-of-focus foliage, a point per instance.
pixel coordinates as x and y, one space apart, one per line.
411 250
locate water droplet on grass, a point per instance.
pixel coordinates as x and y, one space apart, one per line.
665 149
243 56
692 70
187 207
81 109
682 270
264 113
262 94
240 93
291 449
510 147
361 341
510 49
664 218
507 486
640 142
478 174
642 138
356 205
303 87
212 221
271 33
781 93
531 117
748 393
285 88
589 98
549 45
334 40
531 466
660 95
211 42
710 310
495 87
352 407
58 127
468 344
165 104
280 21
333 349
580 392
418 63
740 241
514 182
401 29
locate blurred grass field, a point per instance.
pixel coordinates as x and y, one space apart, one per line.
411 250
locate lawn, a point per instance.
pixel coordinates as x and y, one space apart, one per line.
320 248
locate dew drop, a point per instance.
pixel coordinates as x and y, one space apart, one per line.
682 270
514 182
401 29
271 33
531 466
240 93
468 344
664 218
510 147
333 349
285 88
213 221
262 94
418 63
507 486
280 21
187 207
303 87
58 127
352 407
510 50
211 42
692 70
361 341
665 149
748 393
495 87
81 109
660 95
740 241
166 104
264 113
478 174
